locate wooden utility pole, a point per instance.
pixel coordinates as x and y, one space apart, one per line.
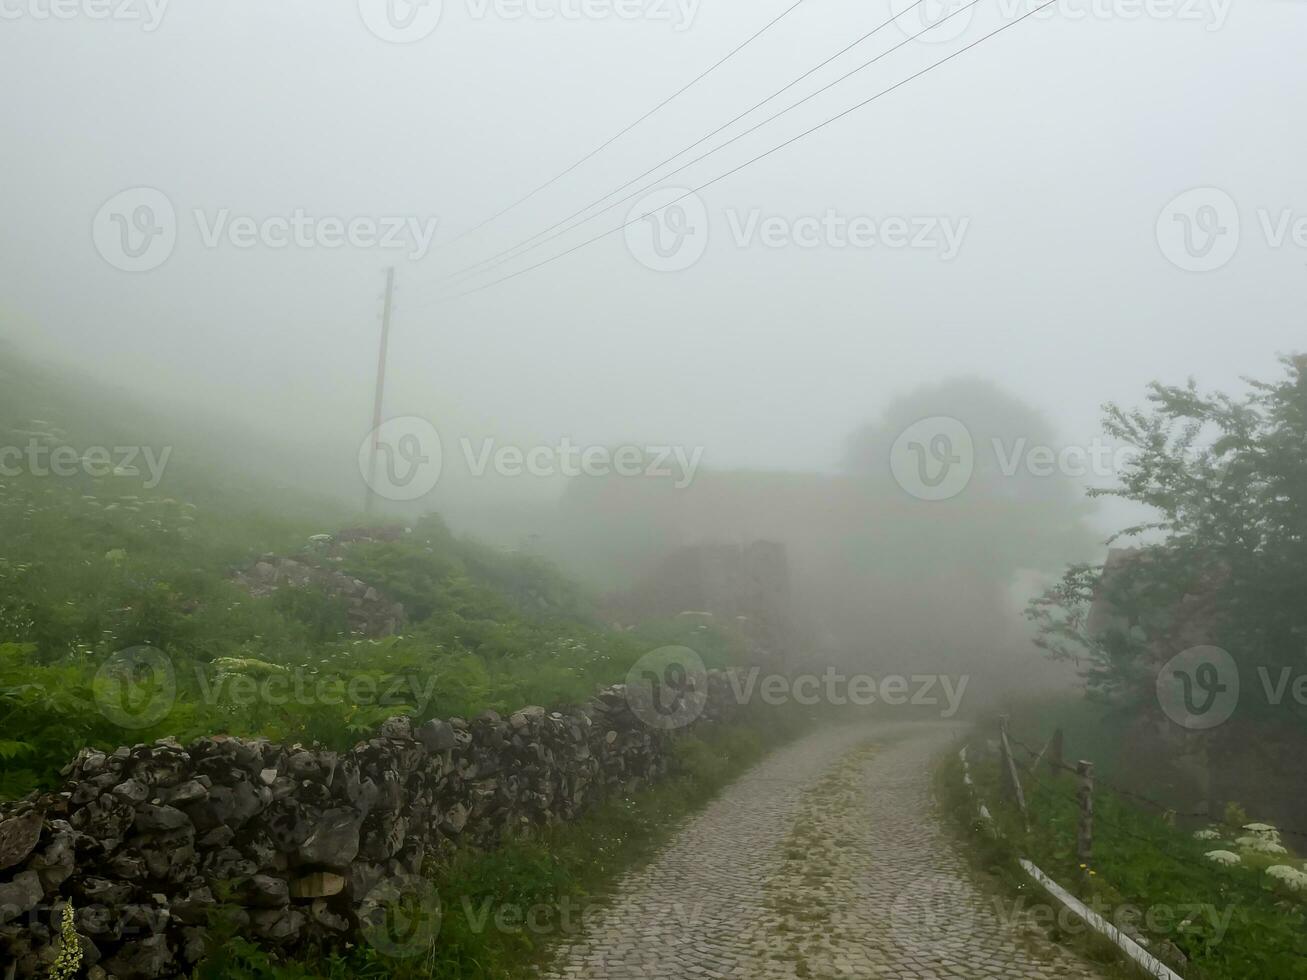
388 302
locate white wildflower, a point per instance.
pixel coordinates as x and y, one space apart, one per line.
1260 845
1295 879
1207 835
1222 857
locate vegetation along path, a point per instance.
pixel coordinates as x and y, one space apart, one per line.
826 860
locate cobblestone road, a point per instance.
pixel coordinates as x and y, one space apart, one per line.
825 861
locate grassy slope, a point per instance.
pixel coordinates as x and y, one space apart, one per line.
1143 863
92 565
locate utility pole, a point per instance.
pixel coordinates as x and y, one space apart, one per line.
381 388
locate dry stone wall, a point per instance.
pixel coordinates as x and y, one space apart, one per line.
148 841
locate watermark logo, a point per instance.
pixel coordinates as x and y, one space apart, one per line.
667 688
135 688
934 459
40 459
401 21
567 459
136 229
833 687
667 230
937 458
401 459
1199 230
148 13
933 21
1199 688
831 230
401 916
670 230
407 21
942 21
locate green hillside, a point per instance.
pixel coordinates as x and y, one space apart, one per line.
106 559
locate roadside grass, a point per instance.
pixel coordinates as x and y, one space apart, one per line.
993 862
505 912
1229 923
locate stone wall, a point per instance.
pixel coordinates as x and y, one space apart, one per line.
148 841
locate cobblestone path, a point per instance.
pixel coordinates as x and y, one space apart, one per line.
825 861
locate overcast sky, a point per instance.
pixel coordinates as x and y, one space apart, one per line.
1037 168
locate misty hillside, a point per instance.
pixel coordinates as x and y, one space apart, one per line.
193 562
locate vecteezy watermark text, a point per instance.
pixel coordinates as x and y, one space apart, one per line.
1203 229
1201 687
148 13
137 229
936 458
409 21
38 458
942 21
404 459
667 688
136 688
833 687
669 230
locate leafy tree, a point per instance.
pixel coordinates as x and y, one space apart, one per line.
1224 559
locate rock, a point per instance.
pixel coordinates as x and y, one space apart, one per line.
455 819
191 791
194 944
151 818
144 959
334 840
19 836
21 895
194 907
321 913
520 719
132 790
322 884
436 736
103 891
277 926
56 862
132 867
265 892
399 728
98 921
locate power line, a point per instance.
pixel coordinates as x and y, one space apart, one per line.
764 155
491 262
613 139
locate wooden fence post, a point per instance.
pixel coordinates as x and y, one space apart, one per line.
1056 763
1085 828
1008 777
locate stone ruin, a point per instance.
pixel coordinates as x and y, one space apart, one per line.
148 842
369 612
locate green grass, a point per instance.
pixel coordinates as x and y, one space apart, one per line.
91 565
1142 862
561 876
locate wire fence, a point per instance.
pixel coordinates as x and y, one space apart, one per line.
1155 843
